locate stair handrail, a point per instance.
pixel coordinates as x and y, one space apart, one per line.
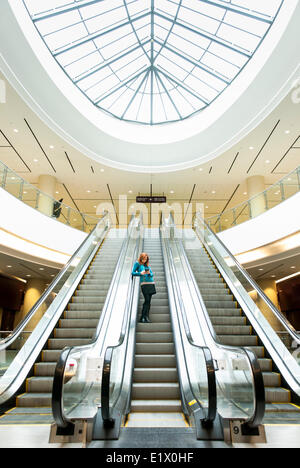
107 410
211 412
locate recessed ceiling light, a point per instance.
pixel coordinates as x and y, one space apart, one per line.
88 191
52 276
267 161
9 266
42 269
273 276
51 147
171 191
245 193
35 160
251 147
206 207
293 267
28 276
200 169
25 193
129 191
287 132
16 130
213 191
101 170
261 269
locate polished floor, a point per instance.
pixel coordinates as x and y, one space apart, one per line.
27 436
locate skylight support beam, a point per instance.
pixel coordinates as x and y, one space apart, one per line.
64 9
110 62
168 94
124 83
194 63
208 36
96 35
183 86
136 92
236 9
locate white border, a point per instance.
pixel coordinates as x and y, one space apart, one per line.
257 90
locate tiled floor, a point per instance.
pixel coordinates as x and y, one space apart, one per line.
37 437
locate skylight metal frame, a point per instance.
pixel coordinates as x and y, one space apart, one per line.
126 83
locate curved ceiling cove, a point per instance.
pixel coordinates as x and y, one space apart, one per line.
151 61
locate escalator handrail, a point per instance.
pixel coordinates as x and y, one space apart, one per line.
287 325
259 386
106 409
257 376
59 416
7 341
210 369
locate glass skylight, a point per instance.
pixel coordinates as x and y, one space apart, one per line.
152 61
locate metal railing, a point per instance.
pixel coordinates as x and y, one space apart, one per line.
260 203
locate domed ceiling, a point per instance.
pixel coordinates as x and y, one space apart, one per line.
152 61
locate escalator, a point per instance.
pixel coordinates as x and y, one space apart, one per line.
234 321
139 376
156 398
172 381
76 327
75 302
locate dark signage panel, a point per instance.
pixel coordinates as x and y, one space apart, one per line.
151 199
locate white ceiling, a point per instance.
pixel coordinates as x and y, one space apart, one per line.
76 173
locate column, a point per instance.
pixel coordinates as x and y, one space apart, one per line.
270 289
47 185
256 185
34 289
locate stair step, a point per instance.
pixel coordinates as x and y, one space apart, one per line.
82 314
155 360
85 306
154 327
34 400
154 337
154 374
238 340
155 348
78 323
229 329
272 379
39 384
44 369
156 406
228 321
155 391
56 343
277 395
221 312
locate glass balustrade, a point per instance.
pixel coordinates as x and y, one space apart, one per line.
277 193
35 198
183 209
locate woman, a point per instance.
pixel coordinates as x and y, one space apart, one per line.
141 268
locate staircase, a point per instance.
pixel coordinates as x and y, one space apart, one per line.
76 327
155 391
232 328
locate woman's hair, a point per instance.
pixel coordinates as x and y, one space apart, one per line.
140 259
